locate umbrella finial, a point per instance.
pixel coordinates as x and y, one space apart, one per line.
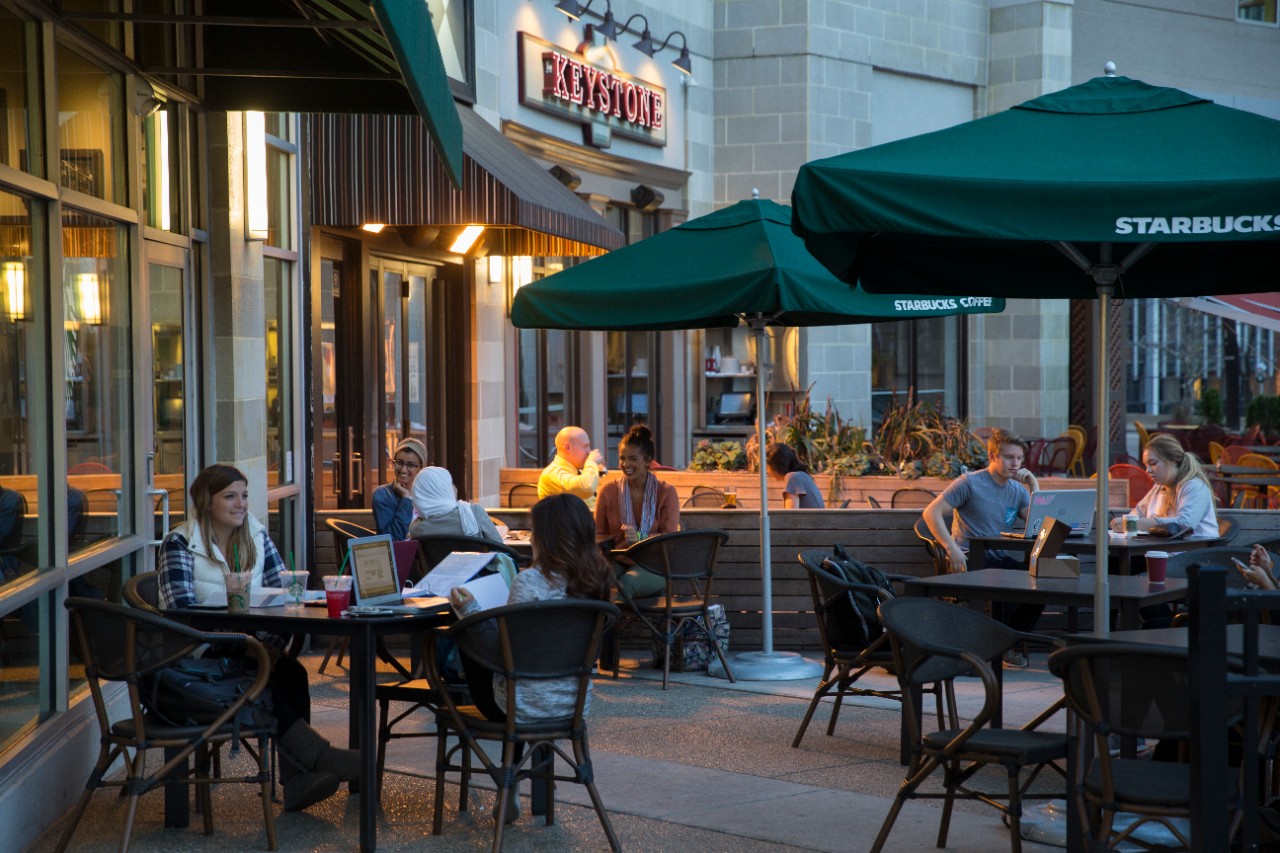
1109 69
755 192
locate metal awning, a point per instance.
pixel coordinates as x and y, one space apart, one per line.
1255 309
373 56
381 169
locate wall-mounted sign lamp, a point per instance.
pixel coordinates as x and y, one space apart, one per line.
14 274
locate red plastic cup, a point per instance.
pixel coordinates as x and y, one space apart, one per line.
337 594
1157 563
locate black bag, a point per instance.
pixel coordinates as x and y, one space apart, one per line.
196 691
852 622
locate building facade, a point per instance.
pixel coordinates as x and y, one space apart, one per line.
269 271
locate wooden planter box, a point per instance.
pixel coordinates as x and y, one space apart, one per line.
855 490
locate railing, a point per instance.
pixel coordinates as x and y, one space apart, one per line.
1212 690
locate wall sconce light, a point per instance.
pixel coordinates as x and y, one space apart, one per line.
608 27
14 274
682 62
496 263
466 239
89 298
521 271
645 45
147 99
255 157
573 8
646 198
373 227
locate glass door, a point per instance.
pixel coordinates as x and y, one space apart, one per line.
407 360
342 359
171 350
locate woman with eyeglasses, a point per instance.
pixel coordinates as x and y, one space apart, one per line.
393 502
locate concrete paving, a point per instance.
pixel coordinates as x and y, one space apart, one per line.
706 765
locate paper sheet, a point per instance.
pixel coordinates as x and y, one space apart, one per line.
454 570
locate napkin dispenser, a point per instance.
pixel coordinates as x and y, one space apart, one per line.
1045 560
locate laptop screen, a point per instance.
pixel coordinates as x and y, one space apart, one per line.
373 568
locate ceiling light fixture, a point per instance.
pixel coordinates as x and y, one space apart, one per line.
373 227
467 239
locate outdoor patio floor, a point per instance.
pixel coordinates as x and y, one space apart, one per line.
706 765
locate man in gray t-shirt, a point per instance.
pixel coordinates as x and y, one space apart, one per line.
984 503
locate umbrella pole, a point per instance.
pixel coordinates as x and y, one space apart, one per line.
1101 581
766 665
766 553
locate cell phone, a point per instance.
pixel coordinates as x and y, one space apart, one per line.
1239 565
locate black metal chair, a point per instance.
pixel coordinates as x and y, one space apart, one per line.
436 547
911 498
704 496
687 560
414 688
143 591
522 495
844 665
125 645
343 532
537 641
937 554
1132 691
936 641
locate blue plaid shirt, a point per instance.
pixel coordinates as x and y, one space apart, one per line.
177 578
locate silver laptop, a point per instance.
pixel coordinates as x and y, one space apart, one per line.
373 571
1070 506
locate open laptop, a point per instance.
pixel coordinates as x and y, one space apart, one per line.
1071 506
373 571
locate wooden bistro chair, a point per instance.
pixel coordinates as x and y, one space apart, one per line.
936 641
844 665
538 641
686 561
911 498
522 495
704 496
125 645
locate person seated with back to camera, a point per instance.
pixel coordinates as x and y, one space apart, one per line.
635 507
393 502
799 491
566 564
222 536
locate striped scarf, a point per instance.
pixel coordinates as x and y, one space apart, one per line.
647 510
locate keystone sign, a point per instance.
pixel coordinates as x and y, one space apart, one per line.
568 85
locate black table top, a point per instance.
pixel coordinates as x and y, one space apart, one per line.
1018 585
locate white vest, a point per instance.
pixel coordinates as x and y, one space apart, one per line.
208 562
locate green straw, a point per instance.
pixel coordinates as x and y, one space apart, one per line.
291 567
235 557
343 568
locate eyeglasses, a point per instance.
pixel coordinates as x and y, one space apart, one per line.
412 466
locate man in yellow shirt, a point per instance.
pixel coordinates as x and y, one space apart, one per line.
577 468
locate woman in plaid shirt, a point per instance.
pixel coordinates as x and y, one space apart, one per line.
221 536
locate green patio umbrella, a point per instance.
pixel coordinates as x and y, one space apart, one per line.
1059 197
739 264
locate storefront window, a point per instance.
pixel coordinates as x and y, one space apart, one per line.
547 392
278 306
281 521
18 342
103 584
24 693
90 127
279 208
921 357
98 374
13 90
168 368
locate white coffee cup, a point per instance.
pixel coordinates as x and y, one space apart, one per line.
729 364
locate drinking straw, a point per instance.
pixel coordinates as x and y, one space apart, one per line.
291 566
235 557
343 568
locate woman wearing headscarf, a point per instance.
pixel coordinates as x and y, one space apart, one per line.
438 512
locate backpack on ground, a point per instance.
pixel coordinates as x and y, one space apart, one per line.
852 622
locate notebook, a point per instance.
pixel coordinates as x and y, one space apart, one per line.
1070 506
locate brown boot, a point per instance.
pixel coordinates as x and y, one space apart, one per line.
304 788
311 751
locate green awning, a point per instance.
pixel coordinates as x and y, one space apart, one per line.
307 56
